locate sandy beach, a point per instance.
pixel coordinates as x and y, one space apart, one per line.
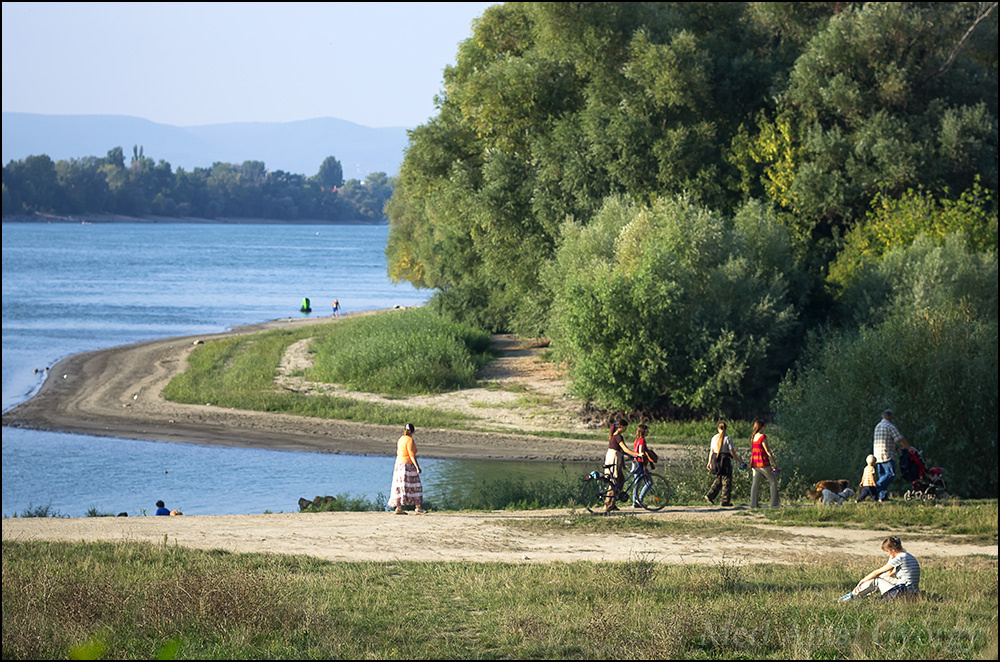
116 392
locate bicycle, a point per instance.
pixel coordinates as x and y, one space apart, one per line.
599 489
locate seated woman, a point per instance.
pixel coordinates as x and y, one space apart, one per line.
900 576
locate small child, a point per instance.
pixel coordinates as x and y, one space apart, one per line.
868 480
901 575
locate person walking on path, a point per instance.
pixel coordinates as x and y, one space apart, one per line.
764 465
887 438
721 454
336 308
614 460
406 489
868 480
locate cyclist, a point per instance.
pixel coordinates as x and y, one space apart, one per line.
614 460
639 465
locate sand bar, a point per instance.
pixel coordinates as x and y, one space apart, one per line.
115 392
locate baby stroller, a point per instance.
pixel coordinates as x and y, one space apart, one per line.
925 483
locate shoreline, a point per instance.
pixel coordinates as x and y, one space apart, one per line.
87 218
115 392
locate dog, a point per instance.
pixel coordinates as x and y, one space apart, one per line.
835 486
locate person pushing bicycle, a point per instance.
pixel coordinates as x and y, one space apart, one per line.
614 459
640 460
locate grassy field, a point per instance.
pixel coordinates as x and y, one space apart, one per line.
240 372
967 522
132 600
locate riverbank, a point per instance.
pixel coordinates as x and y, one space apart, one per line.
116 392
150 218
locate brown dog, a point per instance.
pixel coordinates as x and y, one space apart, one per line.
836 486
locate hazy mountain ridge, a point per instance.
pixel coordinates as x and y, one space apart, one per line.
298 147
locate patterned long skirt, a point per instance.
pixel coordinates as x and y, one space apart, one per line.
406 488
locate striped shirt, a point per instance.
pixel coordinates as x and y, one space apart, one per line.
886 439
907 571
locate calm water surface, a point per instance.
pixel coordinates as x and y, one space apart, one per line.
71 288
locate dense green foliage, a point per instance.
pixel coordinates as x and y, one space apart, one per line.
678 194
674 300
926 348
107 186
895 223
138 601
552 107
400 353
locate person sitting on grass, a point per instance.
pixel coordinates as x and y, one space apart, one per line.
900 576
161 509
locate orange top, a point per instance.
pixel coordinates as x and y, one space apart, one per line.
406 450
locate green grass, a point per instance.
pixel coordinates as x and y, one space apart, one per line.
39 511
972 518
628 523
409 352
240 373
132 600
696 433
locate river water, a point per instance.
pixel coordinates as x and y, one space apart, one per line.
69 288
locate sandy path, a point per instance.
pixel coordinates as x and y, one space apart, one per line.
471 537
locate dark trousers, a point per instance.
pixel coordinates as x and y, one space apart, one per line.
723 481
867 492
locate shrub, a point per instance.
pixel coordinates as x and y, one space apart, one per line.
675 305
896 222
937 373
927 349
400 353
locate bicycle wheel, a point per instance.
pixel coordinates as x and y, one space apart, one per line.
595 493
658 494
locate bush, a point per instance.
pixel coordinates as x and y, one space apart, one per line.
895 223
675 305
937 373
400 353
927 275
926 348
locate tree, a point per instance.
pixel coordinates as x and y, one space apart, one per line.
885 97
331 173
921 340
675 309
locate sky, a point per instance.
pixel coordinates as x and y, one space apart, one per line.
378 64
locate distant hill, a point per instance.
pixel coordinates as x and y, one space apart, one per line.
296 147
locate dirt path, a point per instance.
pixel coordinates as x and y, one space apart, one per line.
476 537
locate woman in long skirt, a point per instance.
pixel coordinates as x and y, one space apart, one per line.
406 488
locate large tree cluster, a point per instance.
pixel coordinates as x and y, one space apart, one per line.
679 194
107 185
